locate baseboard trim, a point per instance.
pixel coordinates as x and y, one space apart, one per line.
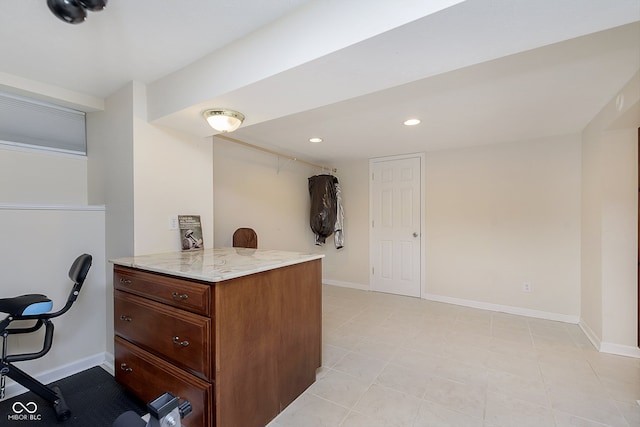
620 350
504 308
607 347
109 363
346 284
14 389
592 336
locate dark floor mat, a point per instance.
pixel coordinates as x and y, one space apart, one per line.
93 396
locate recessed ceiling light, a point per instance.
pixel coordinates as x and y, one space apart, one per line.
315 140
411 122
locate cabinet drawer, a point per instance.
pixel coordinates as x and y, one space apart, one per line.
185 294
176 335
148 376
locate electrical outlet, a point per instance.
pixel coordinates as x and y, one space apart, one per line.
526 287
173 222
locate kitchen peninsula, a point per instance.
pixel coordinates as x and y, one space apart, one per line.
235 331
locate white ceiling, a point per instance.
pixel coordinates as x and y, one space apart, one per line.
475 71
139 40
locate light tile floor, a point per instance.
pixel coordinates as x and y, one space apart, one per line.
399 361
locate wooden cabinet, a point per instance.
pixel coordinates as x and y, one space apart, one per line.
240 350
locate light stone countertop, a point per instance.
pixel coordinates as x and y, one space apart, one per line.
215 265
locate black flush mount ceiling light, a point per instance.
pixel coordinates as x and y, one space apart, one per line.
75 11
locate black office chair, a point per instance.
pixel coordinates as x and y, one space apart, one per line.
37 307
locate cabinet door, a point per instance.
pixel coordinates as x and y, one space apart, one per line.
148 376
176 335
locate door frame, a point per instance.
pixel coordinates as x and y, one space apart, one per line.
423 252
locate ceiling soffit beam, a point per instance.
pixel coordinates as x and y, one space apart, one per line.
466 34
312 31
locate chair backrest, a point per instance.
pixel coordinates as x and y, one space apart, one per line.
245 238
77 273
80 268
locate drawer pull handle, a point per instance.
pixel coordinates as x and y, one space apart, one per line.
125 368
125 318
125 281
176 340
179 296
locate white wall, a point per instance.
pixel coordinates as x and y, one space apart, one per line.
110 164
145 174
110 177
610 228
609 243
254 189
501 215
173 174
249 191
591 237
41 177
619 238
349 266
40 245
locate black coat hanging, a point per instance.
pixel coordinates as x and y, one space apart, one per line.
322 218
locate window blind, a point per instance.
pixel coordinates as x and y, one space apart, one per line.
37 124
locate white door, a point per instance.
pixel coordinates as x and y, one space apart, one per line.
395 225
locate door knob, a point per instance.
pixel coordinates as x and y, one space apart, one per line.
415 234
